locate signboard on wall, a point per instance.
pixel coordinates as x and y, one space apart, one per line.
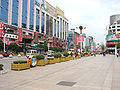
112 42
60 12
50 9
36 37
111 37
1 29
20 35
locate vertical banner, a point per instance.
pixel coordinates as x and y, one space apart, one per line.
92 44
20 35
77 41
36 37
48 44
5 40
1 29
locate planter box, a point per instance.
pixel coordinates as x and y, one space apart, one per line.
62 59
19 67
51 61
57 60
41 62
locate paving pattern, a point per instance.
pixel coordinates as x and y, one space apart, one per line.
87 73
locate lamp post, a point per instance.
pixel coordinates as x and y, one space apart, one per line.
81 28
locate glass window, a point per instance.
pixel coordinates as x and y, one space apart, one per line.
15 5
24 33
4 11
30 34
47 24
118 29
24 13
31 23
51 26
63 29
58 28
42 23
54 27
37 19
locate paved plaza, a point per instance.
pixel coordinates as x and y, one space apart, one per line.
87 73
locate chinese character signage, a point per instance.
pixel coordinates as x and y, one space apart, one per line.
20 35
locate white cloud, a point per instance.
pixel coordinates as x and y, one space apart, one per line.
94 14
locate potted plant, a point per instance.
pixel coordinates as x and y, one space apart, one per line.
20 65
51 60
41 60
1 65
57 57
66 55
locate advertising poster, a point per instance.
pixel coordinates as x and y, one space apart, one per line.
20 35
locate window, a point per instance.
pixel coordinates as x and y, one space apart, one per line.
24 33
31 22
15 4
54 27
63 29
58 28
24 13
42 23
30 34
118 29
47 24
4 11
37 19
51 26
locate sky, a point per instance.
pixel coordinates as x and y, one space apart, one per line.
92 14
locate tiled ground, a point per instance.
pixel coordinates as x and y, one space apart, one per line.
88 73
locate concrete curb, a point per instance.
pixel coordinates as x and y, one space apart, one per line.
3 72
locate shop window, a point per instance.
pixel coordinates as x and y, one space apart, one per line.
30 34
24 33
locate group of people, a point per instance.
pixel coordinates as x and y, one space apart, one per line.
76 54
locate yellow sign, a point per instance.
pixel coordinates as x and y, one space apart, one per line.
60 12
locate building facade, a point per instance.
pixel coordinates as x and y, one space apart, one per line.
113 36
32 22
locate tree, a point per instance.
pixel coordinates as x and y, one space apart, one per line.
13 47
118 45
1 45
102 47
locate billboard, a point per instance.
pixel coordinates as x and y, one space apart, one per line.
60 12
50 9
20 35
111 37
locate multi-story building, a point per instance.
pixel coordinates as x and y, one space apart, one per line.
32 22
77 41
113 37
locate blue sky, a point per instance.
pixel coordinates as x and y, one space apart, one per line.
93 14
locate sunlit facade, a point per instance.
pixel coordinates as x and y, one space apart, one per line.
34 16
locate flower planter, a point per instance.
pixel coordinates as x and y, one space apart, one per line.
57 60
51 61
19 67
62 59
41 62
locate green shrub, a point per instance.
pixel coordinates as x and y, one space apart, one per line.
19 62
39 57
50 58
1 65
59 55
66 54
56 56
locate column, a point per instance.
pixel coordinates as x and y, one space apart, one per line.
20 14
45 24
10 12
34 18
28 14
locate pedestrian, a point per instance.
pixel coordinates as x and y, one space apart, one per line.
71 54
75 54
117 55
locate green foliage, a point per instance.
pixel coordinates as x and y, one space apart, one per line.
56 49
19 62
66 54
50 58
57 55
42 47
118 45
13 47
1 45
70 47
39 57
1 65
103 47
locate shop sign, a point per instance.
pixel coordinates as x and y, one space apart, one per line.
92 44
111 37
36 37
112 42
1 29
50 9
27 36
60 12
20 35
